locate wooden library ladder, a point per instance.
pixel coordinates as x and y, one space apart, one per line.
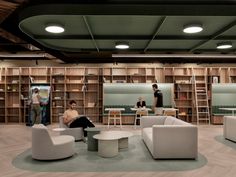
201 100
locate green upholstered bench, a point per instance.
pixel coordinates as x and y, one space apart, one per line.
218 114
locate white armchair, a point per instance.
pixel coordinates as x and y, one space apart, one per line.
77 133
45 147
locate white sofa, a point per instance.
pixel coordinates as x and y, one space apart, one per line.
229 127
167 137
45 147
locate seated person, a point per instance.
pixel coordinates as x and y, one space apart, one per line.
141 103
72 119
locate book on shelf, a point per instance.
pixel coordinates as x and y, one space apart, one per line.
59 106
15 105
74 89
58 74
104 80
182 114
183 97
91 74
120 81
31 79
92 81
92 104
215 79
15 81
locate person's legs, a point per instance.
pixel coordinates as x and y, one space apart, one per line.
37 112
82 122
33 116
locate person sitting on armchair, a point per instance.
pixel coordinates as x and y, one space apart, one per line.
72 119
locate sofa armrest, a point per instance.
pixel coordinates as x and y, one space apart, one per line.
175 141
149 121
229 131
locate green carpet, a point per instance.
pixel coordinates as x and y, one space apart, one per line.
226 142
135 158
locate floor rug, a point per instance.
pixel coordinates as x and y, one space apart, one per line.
135 158
226 142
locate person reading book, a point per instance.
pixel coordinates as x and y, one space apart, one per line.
72 118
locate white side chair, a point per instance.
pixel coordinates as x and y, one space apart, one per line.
45 147
77 133
139 114
114 115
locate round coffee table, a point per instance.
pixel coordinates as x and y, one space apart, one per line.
92 143
123 141
107 144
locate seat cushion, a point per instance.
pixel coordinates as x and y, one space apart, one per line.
180 122
169 120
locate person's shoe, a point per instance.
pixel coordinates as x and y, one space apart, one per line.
84 139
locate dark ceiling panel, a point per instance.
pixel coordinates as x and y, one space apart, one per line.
92 28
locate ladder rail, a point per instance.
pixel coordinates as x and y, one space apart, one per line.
201 99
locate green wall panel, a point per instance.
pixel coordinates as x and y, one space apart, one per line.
128 93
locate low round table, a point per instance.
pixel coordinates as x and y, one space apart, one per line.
107 144
92 143
123 141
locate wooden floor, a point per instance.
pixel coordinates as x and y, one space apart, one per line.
14 139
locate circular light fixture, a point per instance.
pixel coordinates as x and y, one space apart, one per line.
192 28
122 45
224 45
54 28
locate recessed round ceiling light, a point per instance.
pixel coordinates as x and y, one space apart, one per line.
54 28
193 28
224 45
122 45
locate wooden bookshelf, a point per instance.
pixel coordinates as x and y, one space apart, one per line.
13 104
85 86
2 95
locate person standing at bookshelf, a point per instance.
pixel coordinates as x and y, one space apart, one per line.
72 119
158 100
35 107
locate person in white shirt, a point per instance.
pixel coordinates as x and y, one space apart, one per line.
35 107
72 118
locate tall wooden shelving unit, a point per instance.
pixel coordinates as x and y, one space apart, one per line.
2 95
91 93
136 75
183 92
150 75
119 74
232 75
24 92
12 111
182 79
75 87
85 86
58 95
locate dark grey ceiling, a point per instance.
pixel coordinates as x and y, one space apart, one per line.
150 27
